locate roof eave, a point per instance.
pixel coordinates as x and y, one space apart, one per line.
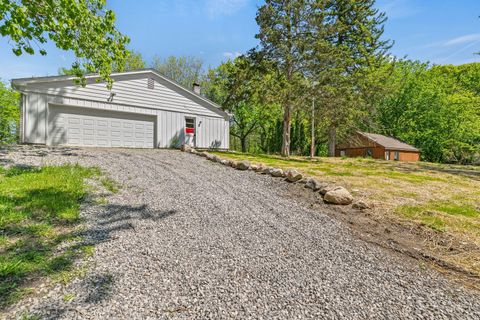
21 84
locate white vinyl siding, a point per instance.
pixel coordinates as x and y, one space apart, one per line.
130 92
167 108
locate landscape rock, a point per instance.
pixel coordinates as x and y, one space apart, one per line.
203 154
243 165
225 162
293 175
260 168
193 151
210 157
233 164
360 205
303 180
339 195
186 148
276 172
266 170
325 188
314 184
254 167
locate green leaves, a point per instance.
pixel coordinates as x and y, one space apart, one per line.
243 87
336 44
184 70
9 114
82 26
435 108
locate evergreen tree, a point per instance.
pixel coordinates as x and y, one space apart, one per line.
283 30
345 49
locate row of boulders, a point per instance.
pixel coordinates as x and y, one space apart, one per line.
330 193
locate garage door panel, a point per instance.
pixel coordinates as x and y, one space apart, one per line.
100 128
74 120
115 124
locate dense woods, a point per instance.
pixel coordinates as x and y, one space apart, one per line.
331 71
321 71
435 108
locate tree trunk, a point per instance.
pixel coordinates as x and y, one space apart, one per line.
332 140
287 123
243 142
312 145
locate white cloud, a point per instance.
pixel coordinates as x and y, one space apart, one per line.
468 38
232 55
215 8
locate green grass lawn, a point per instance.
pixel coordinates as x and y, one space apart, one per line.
39 211
443 198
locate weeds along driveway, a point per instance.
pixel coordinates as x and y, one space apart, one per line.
187 238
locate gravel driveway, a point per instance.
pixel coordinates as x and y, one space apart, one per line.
190 239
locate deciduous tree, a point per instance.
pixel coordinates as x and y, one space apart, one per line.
82 26
184 70
242 87
9 114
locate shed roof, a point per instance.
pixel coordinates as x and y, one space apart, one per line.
389 143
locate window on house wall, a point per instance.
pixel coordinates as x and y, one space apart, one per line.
369 153
190 123
342 153
396 156
387 155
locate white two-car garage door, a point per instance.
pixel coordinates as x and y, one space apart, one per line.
99 128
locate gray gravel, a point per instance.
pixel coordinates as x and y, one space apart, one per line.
190 239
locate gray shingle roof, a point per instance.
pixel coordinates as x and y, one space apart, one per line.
388 142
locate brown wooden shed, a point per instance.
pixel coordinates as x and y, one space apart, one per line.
377 146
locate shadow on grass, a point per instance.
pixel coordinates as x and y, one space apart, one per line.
39 209
39 218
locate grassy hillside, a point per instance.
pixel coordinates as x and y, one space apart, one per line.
442 198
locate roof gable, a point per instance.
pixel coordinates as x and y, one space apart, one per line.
55 85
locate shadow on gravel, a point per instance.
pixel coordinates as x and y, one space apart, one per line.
114 218
99 287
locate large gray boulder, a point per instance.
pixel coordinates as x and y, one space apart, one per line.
339 195
314 184
243 165
325 188
276 172
292 175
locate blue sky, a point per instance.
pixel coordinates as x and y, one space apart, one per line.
440 31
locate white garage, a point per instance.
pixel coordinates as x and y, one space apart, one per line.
142 110
79 127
